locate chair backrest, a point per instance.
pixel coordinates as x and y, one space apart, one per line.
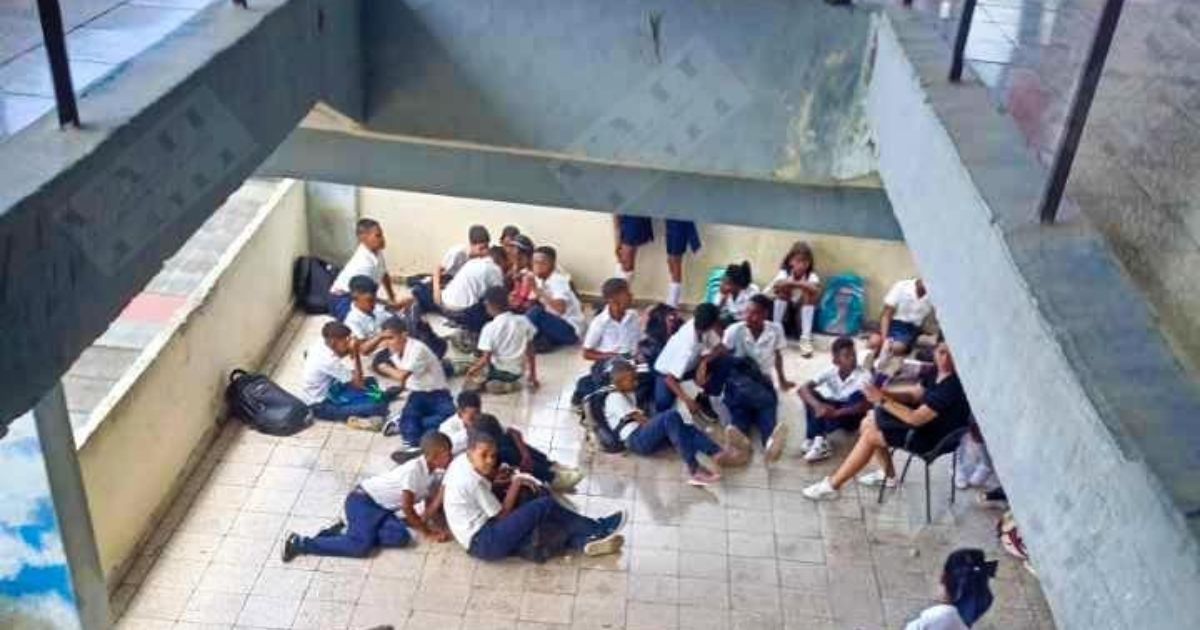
947 444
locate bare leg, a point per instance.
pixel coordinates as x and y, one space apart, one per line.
627 257
675 268
870 442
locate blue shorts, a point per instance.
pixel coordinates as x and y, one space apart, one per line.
635 231
903 332
681 235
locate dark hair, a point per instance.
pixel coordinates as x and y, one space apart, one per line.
498 255
363 284
365 225
842 343
965 577
763 302
434 440
706 316
489 425
524 243
496 297
509 231
739 275
799 248
395 325
468 399
658 322
548 252
621 365
478 235
335 330
478 437
613 287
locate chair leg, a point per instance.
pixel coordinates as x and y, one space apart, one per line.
904 473
883 486
928 509
953 475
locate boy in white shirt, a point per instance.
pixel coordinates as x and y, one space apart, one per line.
759 339
416 368
677 362
458 427
366 315
556 313
371 509
461 301
735 292
366 261
490 529
336 392
615 330
478 242
506 346
905 309
834 399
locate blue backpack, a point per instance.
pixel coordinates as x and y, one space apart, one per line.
840 311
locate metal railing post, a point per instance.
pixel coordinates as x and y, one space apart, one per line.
60 70
960 40
1077 114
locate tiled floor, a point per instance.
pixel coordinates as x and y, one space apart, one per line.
750 553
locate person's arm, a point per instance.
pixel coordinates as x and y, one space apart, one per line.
526 463
676 388
437 287
388 288
902 412
510 498
858 409
388 369
809 396
368 345
784 383
356 377
416 521
811 289
479 364
596 355
531 357
547 299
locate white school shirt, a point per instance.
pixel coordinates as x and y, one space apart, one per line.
606 334
388 489
506 337
785 275
683 350
617 407
832 386
736 306
467 286
426 373
940 617
455 429
366 325
741 343
909 308
559 287
321 368
454 259
364 262
468 500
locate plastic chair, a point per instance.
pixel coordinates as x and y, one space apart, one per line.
948 444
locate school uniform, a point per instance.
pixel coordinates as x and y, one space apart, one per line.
554 329
665 428
733 308
365 325
507 453
462 297
455 429
939 617
760 350
830 388
472 512
679 358
741 342
371 512
429 400
606 334
795 297
637 231
506 337
910 311
453 260
789 305
327 390
363 262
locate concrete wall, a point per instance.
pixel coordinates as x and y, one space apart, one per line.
420 227
144 445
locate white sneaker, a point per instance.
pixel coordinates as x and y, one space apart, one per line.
604 546
875 478
980 476
823 490
806 347
775 443
566 478
818 450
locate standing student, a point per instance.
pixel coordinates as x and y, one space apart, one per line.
735 292
905 309
834 399
371 509
616 329
366 315
505 344
478 242
366 261
416 368
677 362
491 529
632 232
645 435
514 452
556 312
797 290
336 392
461 301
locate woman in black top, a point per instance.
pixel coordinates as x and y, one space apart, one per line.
937 409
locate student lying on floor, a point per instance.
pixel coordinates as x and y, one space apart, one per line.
366 261
339 393
417 369
371 509
505 346
491 529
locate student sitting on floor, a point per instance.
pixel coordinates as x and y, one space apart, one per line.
678 360
371 519
797 290
966 595
366 315
478 242
461 301
555 312
468 406
490 529
905 309
734 294
335 392
834 399
938 409
646 436
515 453
521 283
416 368
616 329
507 234
366 261
505 344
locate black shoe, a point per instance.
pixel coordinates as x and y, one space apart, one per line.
291 547
392 393
333 530
405 455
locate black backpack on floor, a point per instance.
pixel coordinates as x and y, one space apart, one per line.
606 438
266 406
311 280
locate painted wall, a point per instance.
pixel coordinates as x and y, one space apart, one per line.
421 227
147 442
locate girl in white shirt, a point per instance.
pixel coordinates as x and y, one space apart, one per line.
797 287
735 292
965 591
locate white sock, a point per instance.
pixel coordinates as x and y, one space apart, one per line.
806 320
619 272
674 290
779 312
